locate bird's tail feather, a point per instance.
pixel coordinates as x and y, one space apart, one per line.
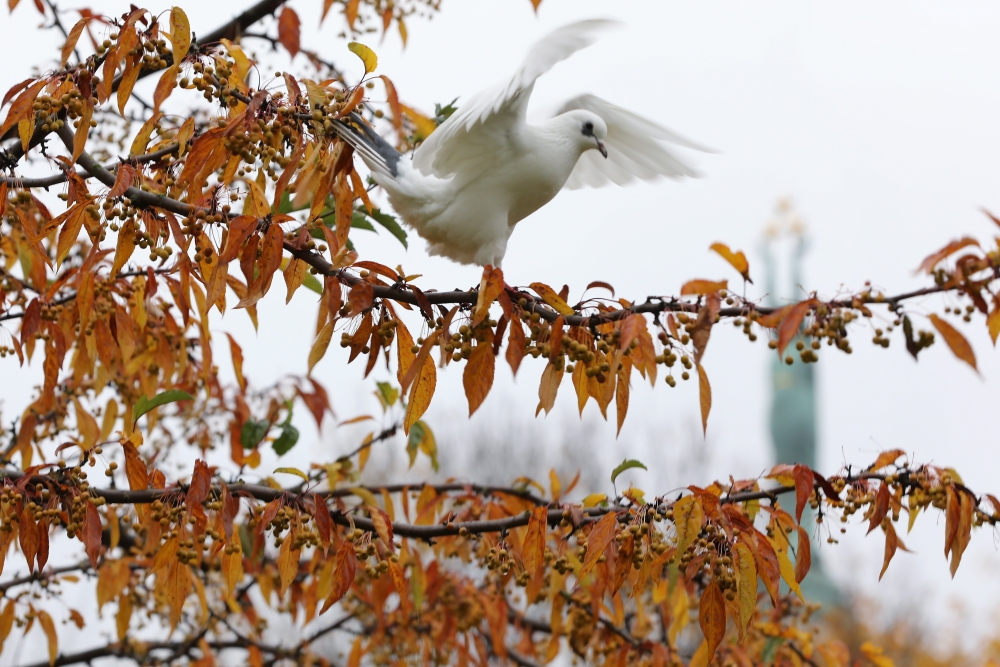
378 154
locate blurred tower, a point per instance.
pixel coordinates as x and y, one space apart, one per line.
793 387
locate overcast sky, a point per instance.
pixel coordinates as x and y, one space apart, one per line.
878 119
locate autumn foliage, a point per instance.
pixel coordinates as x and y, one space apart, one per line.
107 292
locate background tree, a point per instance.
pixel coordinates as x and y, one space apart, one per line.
109 287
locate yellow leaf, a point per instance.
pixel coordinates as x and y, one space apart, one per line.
747 585
367 56
126 244
293 471
50 632
875 656
703 287
180 34
704 397
594 499
688 517
366 496
737 259
955 340
320 346
6 622
421 393
785 567
993 321
551 297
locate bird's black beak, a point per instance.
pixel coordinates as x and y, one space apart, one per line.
600 147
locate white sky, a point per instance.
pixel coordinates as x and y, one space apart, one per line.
878 119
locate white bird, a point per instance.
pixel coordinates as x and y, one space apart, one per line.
486 168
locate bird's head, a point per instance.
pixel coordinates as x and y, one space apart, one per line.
589 128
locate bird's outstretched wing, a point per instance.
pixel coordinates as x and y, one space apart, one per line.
482 130
635 148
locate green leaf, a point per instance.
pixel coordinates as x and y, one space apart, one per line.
289 436
387 394
253 432
309 281
360 221
293 471
443 113
625 465
144 404
422 439
389 222
367 56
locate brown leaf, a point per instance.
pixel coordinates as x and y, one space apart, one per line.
881 507
892 543
955 340
478 375
515 345
791 323
993 321
91 534
597 541
623 563
28 537
361 297
803 488
200 486
6 619
601 284
703 325
933 259
737 259
712 617
289 28
703 287
70 232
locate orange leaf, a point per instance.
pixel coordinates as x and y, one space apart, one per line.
993 321
28 537
623 563
955 340
933 259
803 555
712 617
131 74
803 488
70 231
767 565
71 39
6 618
704 397
22 106
689 515
886 458
533 549
421 392
597 541
703 287
165 86
320 345
515 345
478 375
289 27
490 287
135 469
551 297
383 526
737 259
345 565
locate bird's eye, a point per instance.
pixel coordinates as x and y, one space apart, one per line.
588 128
